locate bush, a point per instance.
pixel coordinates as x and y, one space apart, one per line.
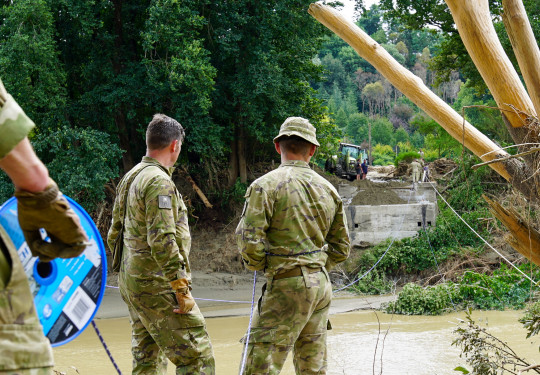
506 288
373 283
415 300
406 157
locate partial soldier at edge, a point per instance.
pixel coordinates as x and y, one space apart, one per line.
23 346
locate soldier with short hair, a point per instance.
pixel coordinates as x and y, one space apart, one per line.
23 346
150 241
293 228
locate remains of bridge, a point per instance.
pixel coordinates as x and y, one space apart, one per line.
396 210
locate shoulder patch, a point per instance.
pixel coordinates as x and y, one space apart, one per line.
165 201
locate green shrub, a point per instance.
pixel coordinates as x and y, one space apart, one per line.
373 283
434 300
406 157
506 288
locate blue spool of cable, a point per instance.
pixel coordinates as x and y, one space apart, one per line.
67 292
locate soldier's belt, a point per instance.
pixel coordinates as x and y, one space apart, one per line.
297 271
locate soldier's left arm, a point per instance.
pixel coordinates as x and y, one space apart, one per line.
339 244
161 228
251 230
183 236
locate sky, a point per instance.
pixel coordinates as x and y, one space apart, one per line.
348 9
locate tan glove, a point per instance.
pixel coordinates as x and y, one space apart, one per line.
50 210
183 296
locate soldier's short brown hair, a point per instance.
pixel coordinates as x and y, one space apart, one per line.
162 130
294 144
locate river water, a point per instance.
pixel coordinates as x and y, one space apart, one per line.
363 342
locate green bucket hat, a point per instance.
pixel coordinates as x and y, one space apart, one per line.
300 127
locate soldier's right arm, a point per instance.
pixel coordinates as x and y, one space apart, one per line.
251 230
161 229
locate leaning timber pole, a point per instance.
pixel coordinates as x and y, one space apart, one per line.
475 26
411 86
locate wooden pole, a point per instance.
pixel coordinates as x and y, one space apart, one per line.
411 86
473 21
525 47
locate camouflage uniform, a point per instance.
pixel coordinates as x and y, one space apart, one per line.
293 222
156 249
24 349
416 167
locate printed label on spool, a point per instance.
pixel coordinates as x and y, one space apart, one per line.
67 292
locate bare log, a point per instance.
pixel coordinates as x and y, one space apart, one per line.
411 86
197 189
476 29
523 238
525 47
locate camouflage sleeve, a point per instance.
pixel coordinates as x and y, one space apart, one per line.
251 231
183 237
338 238
14 125
161 227
114 229
116 223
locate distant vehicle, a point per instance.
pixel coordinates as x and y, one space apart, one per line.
343 164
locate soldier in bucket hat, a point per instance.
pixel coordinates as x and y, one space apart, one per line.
293 228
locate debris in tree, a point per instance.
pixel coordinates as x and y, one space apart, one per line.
522 237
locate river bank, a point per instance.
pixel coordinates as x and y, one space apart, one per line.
225 295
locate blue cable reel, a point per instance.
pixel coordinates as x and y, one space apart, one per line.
67 292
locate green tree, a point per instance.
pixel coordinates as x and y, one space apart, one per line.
382 132
357 128
263 52
401 135
30 65
383 155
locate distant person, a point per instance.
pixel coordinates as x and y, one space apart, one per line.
23 346
293 228
425 177
416 168
150 223
421 153
364 166
358 168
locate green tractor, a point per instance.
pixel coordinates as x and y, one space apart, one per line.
343 164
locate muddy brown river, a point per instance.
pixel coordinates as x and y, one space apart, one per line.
358 344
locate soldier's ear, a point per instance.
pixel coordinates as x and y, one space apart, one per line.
278 147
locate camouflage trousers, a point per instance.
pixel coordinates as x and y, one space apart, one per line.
292 314
33 371
158 333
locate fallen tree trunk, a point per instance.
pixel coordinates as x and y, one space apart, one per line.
525 47
523 238
197 189
473 21
411 86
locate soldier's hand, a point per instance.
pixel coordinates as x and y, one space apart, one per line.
50 210
183 296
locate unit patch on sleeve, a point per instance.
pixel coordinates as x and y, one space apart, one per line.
164 201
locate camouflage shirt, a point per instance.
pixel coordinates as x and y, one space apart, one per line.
292 217
156 232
